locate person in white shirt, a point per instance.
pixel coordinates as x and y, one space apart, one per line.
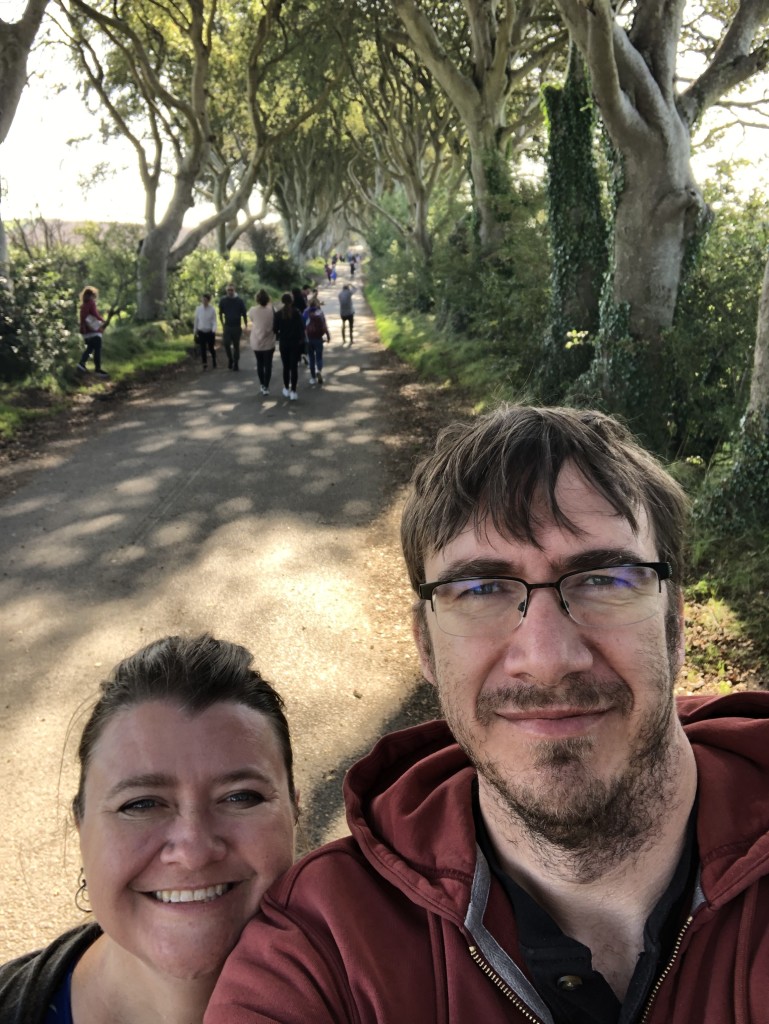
205 330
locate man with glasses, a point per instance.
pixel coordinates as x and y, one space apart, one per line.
572 844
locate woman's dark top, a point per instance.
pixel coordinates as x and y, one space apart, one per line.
29 985
289 331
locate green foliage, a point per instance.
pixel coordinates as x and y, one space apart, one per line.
37 329
273 264
711 344
108 252
735 496
204 270
486 316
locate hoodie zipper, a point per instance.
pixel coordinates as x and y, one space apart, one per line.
668 969
504 988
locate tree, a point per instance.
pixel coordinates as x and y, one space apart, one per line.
153 67
310 181
408 135
479 61
16 39
635 83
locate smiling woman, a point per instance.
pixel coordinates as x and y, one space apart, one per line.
185 811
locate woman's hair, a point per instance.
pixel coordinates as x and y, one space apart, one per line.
262 297
193 673
288 302
89 292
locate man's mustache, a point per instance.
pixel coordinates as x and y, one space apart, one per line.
580 692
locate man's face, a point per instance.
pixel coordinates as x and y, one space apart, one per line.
562 721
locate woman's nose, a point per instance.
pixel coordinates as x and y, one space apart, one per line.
193 841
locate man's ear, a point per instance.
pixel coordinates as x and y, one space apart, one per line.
421 635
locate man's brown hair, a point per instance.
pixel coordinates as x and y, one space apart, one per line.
504 466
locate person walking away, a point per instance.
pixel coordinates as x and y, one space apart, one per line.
346 309
317 329
573 844
289 330
262 319
205 330
233 315
300 305
92 325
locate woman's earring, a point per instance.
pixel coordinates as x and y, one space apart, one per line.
81 896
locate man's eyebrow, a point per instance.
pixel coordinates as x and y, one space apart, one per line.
470 568
158 780
595 558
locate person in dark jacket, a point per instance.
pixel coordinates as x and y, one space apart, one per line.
289 330
572 845
185 812
234 317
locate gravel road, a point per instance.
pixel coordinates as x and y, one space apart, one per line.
204 506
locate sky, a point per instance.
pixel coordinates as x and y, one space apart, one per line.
43 172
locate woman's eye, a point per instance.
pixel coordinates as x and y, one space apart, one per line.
143 804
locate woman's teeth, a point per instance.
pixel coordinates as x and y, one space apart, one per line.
211 892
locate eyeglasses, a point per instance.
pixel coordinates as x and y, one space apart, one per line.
616 595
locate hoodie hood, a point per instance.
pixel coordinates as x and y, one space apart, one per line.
730 739
415 784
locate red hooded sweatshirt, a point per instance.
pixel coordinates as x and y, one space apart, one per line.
402 923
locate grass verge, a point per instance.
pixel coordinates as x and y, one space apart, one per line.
128 350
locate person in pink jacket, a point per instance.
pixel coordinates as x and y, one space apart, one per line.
572 844
92 325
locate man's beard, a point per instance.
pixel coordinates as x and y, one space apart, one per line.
573 818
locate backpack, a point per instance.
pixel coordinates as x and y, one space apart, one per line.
316 324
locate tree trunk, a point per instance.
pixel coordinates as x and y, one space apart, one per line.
659 211
15 43
6 282
491 183
758 403
152 272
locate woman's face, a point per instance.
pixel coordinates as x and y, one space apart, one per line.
187 820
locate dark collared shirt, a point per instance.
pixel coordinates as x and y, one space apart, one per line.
561 968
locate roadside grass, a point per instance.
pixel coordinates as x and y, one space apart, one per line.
128 350
416 339
726 592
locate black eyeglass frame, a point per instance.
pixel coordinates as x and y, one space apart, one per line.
664 571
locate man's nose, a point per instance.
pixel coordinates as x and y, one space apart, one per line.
548 644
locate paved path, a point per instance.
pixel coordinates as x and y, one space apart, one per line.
261 520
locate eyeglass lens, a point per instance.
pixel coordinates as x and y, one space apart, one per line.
614 596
